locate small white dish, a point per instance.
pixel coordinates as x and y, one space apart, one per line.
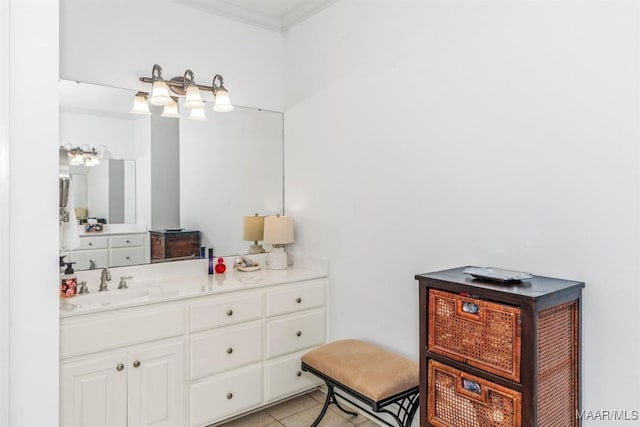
248 269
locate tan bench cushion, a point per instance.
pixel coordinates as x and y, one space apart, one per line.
370 370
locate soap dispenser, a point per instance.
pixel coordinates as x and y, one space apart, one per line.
69 282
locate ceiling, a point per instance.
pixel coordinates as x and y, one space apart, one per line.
274 15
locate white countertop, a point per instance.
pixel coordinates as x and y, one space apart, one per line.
175 281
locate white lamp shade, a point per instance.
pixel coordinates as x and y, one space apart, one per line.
76 160
278 230
171 110
193 98
253 228
160 93
140 105
223 102
197 114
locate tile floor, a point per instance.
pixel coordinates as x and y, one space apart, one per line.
301 412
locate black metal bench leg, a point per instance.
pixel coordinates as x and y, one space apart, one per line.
331 398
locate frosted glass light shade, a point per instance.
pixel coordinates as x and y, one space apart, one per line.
278 230
223 102
160 93
140 105
193 98
171 110
76 160
197 114
253 228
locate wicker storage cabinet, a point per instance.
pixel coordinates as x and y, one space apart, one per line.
496 354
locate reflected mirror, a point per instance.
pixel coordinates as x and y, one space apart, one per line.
179 175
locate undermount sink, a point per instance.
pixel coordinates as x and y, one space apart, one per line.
104 298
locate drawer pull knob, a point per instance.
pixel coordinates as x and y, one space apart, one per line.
229 396
128 257
229 312
136 364
120 367
229 350
128 241
90 243
298 300
298 333
298 374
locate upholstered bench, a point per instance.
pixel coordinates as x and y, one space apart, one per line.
386 382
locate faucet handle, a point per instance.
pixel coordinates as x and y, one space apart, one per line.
123 282
83 288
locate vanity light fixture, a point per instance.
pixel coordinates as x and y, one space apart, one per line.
84 155
163 91
278 230
253 231
140 105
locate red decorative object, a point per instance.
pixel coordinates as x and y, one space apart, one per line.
220 267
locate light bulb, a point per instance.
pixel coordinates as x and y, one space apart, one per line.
197 114
193 99
140 105
171 110
160 93
223 103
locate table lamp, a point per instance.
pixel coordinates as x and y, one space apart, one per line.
278 230
253 230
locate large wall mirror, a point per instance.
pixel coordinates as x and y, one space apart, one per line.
166 173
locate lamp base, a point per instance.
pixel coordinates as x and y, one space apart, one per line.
277 259
255 249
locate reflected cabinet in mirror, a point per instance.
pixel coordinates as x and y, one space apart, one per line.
162 175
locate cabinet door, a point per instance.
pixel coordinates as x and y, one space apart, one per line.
93 392
157 385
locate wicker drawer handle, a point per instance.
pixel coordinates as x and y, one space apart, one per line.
469 307
471 389
472 386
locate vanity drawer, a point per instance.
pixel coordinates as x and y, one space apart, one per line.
293 333
224 311
102 331
283 377
477 332
225 349
289 300
224 395
82 258
127 256
93 242
126 240
458 399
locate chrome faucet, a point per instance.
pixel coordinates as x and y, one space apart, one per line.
92 264
104 277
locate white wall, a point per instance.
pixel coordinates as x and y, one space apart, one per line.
115 42
428 135
29 192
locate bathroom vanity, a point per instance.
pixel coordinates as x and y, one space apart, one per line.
180 347
116 246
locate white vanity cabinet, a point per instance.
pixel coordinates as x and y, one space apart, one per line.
196 359
124 368
108 250
140 386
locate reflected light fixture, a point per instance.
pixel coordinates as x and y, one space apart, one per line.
253 230
278 230
171 109
163 92
84 155
140 105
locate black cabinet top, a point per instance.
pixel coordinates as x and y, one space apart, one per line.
534 288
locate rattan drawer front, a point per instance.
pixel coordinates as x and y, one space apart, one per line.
480 333
457 399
